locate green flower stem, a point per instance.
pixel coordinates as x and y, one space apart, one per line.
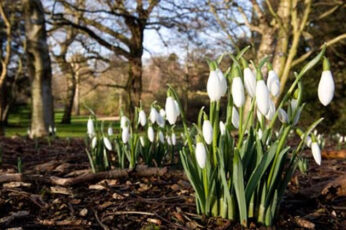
216 131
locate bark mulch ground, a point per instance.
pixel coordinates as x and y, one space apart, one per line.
314 200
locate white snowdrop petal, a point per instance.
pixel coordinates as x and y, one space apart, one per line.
151 134
207 131
125 135
142 119
283 117
249 82
326 88
316 152
107 143
262 97
222 128
238 92
235 118
201 155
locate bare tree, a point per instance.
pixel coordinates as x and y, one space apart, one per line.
39 68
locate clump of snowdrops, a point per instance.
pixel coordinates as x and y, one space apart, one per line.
147 138
240 167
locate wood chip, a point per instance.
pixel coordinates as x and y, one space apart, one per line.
60 190
154 221
304 223
16 184
83 212
97 187
14 215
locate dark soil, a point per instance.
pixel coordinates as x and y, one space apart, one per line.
165 202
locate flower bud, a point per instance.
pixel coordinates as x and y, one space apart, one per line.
262 97
142 140
163 113
110 131
124 122
142 119
125 135
174 139
90 126
217 85
271 110
107 143
93 142
153 115
250 82
238 92
326 88
172 111
151 134
316 152
161 137
207 131
222 128
273 83
235 118
283 117
201 155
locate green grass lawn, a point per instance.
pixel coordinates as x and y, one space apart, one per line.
19 121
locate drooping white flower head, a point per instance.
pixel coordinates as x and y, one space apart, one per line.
262 97
107 143
163 113
161 137
172 111
222 128
151 134
50 129
250 82
294 104
142 118
216 85
142 140
168 139
160 120
273 83
125 135
297 117
316 152
271 110
201 154
110 131
238 92
153 115
177 107
93 142
260 133
326 88
235 117
283 117
124 122
308 141
207 131
174 139
90 126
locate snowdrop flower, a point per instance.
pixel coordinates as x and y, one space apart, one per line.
161 137
297 117
341 138
235 118
326 87
124 122
93 142
125 135
260 133
160 120
316 152
216 85
172 111
90 126
308 141
151 134
142 118
238 92
177 107
271 110
262 97
273 83
201 154
315 132
283 117
250 82
168 139
222 128
142 140
110 131
54 130
153 115
207 131
50 129
107 143
174 139
163 113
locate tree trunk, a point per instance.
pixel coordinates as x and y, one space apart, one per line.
39 68
134 86
266 46
77 95
71 92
